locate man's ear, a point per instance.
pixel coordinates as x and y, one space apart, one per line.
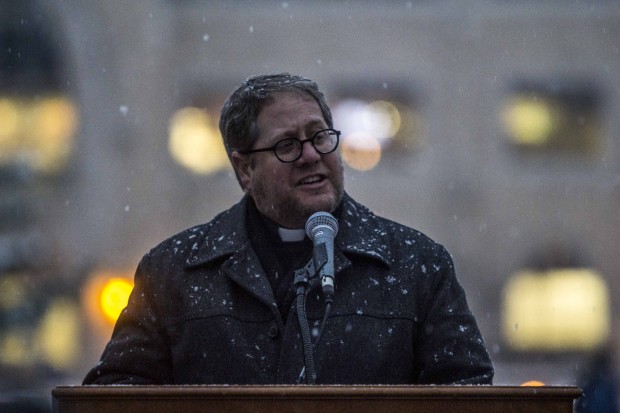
241 164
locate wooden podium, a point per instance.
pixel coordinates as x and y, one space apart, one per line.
310 399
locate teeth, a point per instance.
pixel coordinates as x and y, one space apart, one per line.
311 180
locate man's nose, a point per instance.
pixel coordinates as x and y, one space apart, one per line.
308 152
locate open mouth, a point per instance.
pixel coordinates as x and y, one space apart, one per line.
312 180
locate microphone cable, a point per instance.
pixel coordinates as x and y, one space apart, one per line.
302 280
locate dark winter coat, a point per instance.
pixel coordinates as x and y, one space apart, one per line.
203 311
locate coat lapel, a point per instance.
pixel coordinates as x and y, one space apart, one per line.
244 268
226 236
361 233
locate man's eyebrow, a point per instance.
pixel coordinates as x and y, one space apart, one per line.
316 124
289 133
317 121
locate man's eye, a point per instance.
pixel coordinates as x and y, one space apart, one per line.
320 138
286 145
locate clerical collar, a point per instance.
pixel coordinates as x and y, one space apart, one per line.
291 235
285 234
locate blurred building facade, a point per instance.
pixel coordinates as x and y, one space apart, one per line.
508 153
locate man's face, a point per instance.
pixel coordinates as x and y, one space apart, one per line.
289 193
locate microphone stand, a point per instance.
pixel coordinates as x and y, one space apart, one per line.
303 276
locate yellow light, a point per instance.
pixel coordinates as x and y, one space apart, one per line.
102 309
9 117
9 128
52 130
16 348
114 296
562 309
382 119
58 335
529 122
533 383
361 151
39 132
195 143
12 291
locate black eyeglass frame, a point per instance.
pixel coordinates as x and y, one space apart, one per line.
301 145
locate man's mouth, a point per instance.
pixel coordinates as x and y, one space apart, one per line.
311 179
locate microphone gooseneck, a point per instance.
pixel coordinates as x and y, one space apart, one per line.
321 228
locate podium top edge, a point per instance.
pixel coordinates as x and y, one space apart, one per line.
242 391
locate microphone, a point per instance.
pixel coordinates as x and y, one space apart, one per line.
322 228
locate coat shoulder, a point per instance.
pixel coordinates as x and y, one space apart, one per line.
226 228
387 233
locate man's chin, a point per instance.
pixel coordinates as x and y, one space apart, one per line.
326 203
295 211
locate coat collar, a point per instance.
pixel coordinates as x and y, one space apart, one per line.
360 232
223 236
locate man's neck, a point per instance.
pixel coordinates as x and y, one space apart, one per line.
283 234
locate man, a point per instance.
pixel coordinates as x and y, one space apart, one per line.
215 303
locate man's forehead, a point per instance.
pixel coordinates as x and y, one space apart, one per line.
288 93
285 103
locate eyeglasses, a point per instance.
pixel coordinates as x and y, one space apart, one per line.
290 149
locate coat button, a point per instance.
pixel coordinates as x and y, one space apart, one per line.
273 330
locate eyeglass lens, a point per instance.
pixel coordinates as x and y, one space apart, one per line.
289 150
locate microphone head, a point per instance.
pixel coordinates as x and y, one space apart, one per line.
321 222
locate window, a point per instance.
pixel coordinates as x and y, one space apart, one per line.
553 119
376 120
